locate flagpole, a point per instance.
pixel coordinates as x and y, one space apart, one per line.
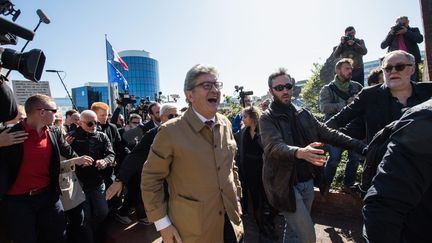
110 95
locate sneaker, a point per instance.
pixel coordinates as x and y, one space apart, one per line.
123 219
144 221
348 190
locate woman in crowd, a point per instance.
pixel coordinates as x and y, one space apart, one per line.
249 160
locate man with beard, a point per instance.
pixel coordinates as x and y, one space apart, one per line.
333 97
291 138
195 155
379 105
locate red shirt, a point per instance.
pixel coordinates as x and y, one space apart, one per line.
34 170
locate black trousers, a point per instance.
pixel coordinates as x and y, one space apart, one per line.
37 218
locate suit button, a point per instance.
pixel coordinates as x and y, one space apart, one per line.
221 190
218 168
220 212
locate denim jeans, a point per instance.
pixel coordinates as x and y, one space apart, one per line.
298 225
37 218
96 207
78 226
335 154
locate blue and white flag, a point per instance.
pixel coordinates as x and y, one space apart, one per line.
114 75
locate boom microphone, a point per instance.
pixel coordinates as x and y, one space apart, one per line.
8 26
43 17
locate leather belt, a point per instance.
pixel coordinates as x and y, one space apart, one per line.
35 192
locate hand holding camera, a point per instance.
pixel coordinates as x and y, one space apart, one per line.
398 29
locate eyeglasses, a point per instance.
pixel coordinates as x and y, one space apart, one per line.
47 109
171 116
136 123
91 123
281 87
398 67
208 85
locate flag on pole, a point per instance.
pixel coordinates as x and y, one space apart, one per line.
113 56
115 76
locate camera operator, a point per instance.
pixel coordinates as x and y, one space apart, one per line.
353 48
245 101
138 132
403 37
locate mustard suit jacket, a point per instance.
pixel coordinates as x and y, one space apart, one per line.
198 165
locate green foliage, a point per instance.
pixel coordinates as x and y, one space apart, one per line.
232 110
310 92
421 70
340 172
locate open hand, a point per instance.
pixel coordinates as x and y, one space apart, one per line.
312 154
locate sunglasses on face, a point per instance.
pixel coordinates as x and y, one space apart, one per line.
281 87
91 123
47 109
136 123
171 116
397 67
208 85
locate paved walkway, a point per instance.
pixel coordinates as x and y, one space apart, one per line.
337 219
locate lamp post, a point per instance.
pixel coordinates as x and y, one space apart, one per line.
64 85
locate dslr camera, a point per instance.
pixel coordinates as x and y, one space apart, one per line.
30 64
397 27
348 38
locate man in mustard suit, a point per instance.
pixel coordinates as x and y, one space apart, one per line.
194 153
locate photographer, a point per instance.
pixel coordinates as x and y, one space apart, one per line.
138 132
403 37
353 48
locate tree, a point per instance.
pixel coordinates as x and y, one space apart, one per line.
310 92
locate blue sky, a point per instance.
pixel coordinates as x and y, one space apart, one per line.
245 39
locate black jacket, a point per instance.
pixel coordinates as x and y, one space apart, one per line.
11 159
412 37
133 163
398 206
279 150
97 146
372 106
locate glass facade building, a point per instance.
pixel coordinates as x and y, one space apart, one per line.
84 96
143 74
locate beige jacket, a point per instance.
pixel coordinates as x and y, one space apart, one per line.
198 164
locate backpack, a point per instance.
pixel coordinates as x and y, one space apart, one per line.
375 153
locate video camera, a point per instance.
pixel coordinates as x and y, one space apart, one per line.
242 94
125 99
143 108
398 27
29 64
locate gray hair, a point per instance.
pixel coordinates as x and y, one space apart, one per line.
134 116
196 71
165 107
407 55
87 113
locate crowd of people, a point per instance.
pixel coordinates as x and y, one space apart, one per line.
195 174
